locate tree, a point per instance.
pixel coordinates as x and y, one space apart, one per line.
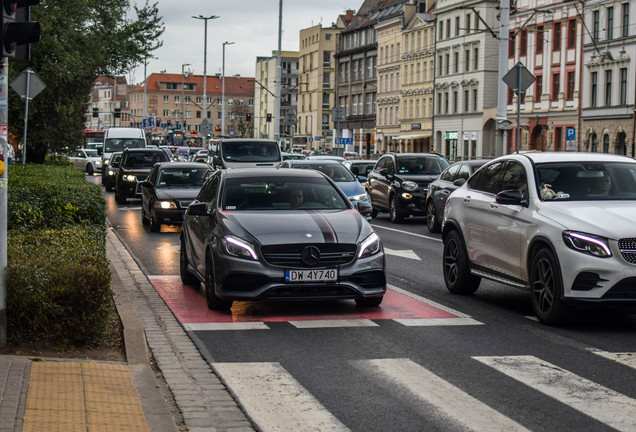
81 40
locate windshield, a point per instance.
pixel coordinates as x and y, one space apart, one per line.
182 177
337 172
144 159
293 194
91 153
251 151
421 165
118 144
586 181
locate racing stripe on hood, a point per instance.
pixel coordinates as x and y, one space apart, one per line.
328 234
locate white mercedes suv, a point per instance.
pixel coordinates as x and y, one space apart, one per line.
560 225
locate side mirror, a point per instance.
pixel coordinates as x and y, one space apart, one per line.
362 179
384 172
198 209
146 183
511 197
459 182
114 164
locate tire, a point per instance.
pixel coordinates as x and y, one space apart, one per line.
211 299
395 214
374 213
144 217
109 187
457 276
154 225
119 199
369 302
431 218
89 170
187 278
546 287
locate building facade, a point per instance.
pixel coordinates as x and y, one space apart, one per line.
108 95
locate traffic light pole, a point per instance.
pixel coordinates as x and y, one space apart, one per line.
4 151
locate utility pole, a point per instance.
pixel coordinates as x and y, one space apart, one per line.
223 89
205 60
503 124
4 151
278 72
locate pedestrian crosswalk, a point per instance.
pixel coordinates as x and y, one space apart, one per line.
276 401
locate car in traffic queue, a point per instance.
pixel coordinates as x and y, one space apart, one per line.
246 153
326 157
109 174
133 168
399 182
439 189
169 190
232 241
360 168
87 160
557 224
344 178
294 156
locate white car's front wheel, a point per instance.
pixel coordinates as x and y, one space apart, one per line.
546 287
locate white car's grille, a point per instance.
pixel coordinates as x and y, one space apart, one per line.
627 247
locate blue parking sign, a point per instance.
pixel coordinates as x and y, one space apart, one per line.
570 134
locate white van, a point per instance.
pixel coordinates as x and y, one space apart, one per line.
120 138
247 153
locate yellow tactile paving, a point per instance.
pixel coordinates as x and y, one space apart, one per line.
86 397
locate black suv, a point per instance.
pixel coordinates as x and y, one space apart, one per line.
399 182
134 166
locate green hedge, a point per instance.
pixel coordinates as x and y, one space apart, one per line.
58 280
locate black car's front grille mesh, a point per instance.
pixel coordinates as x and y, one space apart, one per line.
627 246
291 255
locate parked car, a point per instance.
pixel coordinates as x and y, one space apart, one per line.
232 242
560 225
360 168
337 172
133 168
169 190
439 189
87 160
399 183
109 174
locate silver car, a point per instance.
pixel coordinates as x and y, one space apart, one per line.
263 233
86 160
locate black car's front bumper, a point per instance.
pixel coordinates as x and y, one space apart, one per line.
412 203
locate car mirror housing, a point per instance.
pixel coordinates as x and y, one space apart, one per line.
198 209
459 182
147 184
384 172
511 197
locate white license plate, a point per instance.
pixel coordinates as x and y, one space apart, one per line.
323 275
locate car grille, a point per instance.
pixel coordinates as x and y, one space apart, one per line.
291 255
627 246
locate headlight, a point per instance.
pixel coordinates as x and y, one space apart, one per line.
409 186
98 163
370 246
587 244
165 205
106 161
111 172
361 197
130 178
239 248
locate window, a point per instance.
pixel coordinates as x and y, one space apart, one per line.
476 58
539 42
556 86
455 97
625 23
572 33
556 36
176 99
447 64
594 88
370 103
456 26
596 25
456 65
326 58
523 43
439 103
475 100
511 45
466 101
623 87
440 65
608 88
448 28
467 61
610 23
446 102
538 88
326 79
468 18
166 98
441 30
570 90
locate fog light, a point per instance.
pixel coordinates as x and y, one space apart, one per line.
407 195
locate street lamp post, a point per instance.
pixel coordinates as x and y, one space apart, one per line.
205 61
223 90
182 88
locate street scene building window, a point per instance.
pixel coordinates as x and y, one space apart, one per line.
625 23
539 40
571 33
596 25
623 87
556 86
610 23
556 36
538 88
593 88
608 88
570 91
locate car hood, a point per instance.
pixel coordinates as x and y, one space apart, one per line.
611 219
351 188
418 178
180 194
298 226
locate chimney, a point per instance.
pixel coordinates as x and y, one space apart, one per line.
349 15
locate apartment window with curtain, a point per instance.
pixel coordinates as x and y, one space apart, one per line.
538 48
556 87
556 36
623 87
610 23
608 88
370 103
596 25
571 33
570 92
593 88
538 88
625 23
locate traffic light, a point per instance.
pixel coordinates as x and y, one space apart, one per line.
217 129
184 125
95 112
169 123
17 29
117 113
269 117
248 117
158 122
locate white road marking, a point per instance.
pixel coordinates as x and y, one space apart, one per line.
427 301
334 323
625 358
421 322
406 253
457 406
408 233
601 403
170 248
226 326
275 400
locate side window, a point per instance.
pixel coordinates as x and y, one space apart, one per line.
152 176
486 180
464 172
390 165
514 177
381 164
449 174
209 191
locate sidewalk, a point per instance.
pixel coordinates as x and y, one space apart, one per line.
60 395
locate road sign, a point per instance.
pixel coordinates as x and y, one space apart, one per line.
344 141
338 114
570 139
519 78
19 84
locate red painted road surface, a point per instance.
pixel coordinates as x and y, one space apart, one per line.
189 306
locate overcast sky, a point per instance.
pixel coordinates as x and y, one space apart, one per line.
251 24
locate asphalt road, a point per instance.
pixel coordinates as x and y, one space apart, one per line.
329 366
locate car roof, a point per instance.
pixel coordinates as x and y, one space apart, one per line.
260 173
185 165
145 150
415 154
310 162
543 157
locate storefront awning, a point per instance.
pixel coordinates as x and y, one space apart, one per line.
412 136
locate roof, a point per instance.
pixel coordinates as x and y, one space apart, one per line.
235 86
543 157
271 173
